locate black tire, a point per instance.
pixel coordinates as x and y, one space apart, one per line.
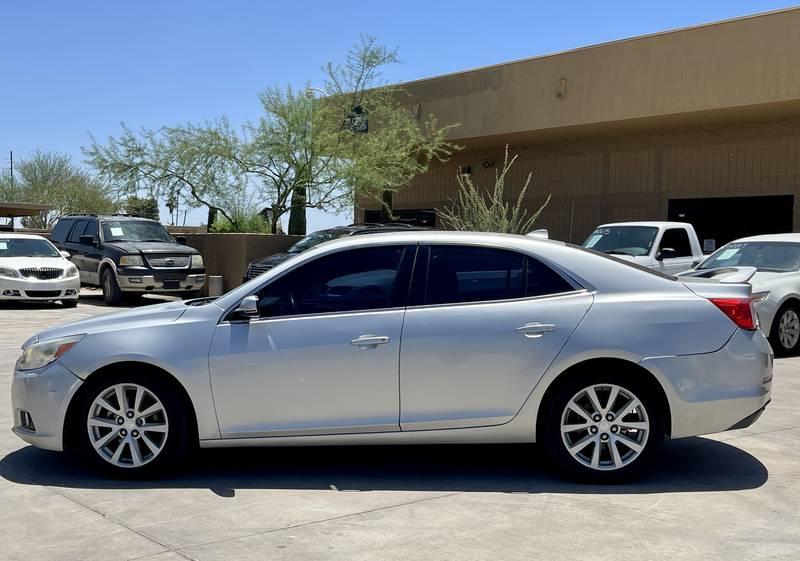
112 295
549 429
778 346
69 303
180 438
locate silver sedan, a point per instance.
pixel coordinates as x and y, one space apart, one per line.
408 338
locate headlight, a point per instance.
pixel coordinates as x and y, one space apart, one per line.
71 270
197 261
131 261
9 273
42 354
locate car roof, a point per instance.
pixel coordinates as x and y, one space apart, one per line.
20 236
373 228
115 217
651 223
788 237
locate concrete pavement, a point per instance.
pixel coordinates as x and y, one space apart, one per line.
735 495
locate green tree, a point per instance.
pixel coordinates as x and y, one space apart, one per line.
53 179
301 153
485 210
146 207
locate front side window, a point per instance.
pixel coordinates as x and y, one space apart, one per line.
135 231
27 247
779 257
458 274
677 239
622 240
358 279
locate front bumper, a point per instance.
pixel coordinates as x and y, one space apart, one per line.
44 395
39 290
717 391
136 279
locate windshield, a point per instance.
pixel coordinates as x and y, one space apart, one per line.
622 240
316 238
27 247
135 231
778 257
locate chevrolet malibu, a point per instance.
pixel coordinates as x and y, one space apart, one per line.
408 338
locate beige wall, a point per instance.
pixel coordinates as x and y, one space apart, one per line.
746 63
229 254
631 176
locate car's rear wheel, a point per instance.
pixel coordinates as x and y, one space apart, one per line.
785 332
133 425
602 428
112 294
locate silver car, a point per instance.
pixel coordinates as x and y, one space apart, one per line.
408 338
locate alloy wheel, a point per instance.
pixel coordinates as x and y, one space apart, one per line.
128 425
789 329
605 427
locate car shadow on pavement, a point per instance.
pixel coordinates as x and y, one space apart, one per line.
688 465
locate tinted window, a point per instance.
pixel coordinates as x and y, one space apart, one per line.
359 279
471 274
91 229
543 280
60 230
77 231
677 239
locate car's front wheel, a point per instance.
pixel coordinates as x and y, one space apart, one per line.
602 428
112 294
133 425
784 335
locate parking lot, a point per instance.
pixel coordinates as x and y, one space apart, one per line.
732 495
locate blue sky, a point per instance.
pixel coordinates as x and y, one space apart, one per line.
68 69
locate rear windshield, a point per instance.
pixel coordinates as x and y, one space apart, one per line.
27 247
642 268
779 257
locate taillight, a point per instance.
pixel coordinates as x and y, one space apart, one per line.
740 310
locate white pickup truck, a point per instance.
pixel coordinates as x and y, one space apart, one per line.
670 247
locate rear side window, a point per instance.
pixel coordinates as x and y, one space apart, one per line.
677 239
77 231
459 274
60 230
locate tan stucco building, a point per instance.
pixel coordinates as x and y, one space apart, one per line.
699 124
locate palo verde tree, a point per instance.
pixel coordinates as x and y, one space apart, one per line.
302 152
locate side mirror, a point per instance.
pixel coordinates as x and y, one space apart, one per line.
666 253
181 239
696 262
65 254
248 307
87 240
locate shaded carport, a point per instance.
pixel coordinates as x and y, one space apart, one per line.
19 210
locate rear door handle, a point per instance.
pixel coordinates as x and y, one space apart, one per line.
370 341
535 329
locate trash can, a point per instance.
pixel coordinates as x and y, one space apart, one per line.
215 287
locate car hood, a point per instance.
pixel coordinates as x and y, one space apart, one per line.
273 259
157 314
154 247
22 262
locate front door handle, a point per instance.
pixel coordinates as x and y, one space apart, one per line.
535 329
370 341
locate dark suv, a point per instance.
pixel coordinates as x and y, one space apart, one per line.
264 264
128 255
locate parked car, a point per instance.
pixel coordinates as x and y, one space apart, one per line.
417 337
260 266
670 247
128 256
776 258
32 269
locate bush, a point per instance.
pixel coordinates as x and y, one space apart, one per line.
250 224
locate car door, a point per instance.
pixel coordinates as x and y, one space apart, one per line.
482 326
322 357
91 255
76 250
676 239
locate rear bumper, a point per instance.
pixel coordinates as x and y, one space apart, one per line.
717 391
